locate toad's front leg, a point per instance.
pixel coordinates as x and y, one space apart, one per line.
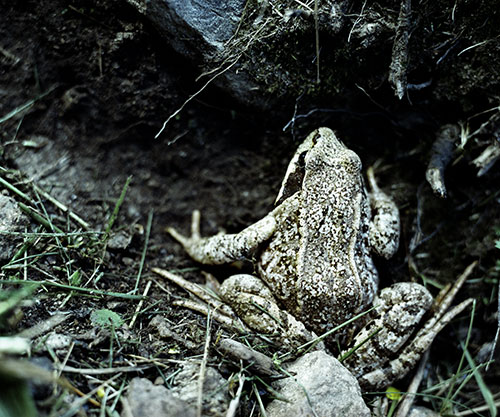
224 248
384 226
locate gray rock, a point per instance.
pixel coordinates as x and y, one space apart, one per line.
12 220
215 394
331 390
193 26
147 400
120 240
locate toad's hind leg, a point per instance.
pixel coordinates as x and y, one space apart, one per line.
411 354
254 303
399 309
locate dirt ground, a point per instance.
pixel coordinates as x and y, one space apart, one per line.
104 82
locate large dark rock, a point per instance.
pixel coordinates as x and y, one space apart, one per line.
193 27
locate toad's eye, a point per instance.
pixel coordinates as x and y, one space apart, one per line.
293 182
315 138
301 161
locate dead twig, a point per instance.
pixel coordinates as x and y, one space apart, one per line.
260 363
203 368
44 326
441 155
139 305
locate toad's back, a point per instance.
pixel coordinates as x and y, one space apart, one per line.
317 262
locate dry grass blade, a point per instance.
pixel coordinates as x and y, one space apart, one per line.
175 113
203 367
87 397
233 405
103 371
62 207
26 105
45 326
141 302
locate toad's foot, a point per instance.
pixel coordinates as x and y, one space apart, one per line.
411 354
224 248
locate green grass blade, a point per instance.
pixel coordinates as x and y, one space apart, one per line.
26 105
14 189
118 204
485 391
144 250
73 288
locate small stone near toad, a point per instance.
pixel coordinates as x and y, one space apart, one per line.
146 399
56 341
417 411
12 220
120 240
331 390
215 394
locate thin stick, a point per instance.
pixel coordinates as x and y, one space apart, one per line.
175 113
203 367
62 207
65 360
